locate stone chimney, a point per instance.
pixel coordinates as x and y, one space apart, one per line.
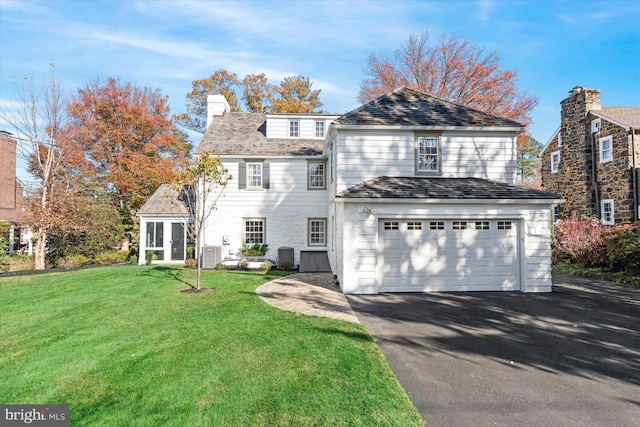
217 105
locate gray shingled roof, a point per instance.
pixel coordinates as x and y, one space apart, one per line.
165 201
245 134
408 107
386 187
629 116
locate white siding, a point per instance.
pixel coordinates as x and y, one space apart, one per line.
360 239
363 155
286 205
278 125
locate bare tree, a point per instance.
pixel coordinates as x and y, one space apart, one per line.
200 186
39 119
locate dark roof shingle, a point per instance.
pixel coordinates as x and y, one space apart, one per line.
408 107
386 187
629 116
245 134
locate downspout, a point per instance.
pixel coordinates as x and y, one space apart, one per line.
634 171
594 175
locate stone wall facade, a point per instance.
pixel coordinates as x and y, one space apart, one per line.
10 189
576 180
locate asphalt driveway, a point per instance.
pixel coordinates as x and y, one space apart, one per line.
566 358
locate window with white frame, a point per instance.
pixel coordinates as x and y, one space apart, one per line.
427 154
254 231
319 129
607 211
596 125
606 149
317 232
294 128
555 161
555 212
559 140
316 176
155 234
254 175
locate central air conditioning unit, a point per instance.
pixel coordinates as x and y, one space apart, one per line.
285 258
211 256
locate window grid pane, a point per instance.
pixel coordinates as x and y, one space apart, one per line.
316 175
414 225
317 232
459 225
391 225
504 225
294 128
427 154
254 174
254 231
436 225
482 225
319 129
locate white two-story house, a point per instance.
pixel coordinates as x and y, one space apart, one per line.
406 193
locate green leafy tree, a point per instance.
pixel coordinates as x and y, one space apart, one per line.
293 95
202 184
528 160
222 82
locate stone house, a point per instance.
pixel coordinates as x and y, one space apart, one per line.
11 198
593 159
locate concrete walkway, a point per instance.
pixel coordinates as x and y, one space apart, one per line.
313 294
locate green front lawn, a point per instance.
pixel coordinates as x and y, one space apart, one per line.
122 346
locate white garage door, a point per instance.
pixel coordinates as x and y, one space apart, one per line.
447 255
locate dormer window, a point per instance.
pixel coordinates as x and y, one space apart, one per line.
319 129
294 128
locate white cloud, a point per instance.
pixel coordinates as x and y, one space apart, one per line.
484 10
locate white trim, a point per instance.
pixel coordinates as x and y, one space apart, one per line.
609 119
611 219
596 126
601 151
419 128
552 163
549 141
412 201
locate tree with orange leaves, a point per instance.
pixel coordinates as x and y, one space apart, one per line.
454 69
124 138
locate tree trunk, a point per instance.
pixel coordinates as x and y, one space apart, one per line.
39 250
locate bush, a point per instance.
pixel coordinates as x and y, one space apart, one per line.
221 266
149 256
623 248
190 263
266 266
73 261
580 240
106 258
243 264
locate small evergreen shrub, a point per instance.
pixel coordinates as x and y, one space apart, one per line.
113 257
148 257
266 266
220 266
190 263
581 241
73 261
243 264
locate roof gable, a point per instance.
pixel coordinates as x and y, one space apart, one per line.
626 116
409 107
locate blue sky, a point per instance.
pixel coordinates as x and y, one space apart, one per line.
552 45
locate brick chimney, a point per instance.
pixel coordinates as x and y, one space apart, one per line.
217 105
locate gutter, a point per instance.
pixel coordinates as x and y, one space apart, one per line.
425 128
429 201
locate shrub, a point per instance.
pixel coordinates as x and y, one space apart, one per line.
243 264
580 239
221 266
190 263
73 261
623 248
106 258
148 257
266 266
